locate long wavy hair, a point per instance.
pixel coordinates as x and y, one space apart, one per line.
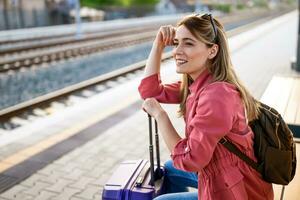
220 66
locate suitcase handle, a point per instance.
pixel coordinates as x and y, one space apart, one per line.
157 145
151 151
141 178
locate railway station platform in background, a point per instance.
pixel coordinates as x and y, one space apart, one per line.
100 132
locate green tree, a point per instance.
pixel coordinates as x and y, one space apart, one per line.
143 2
123 3
99 3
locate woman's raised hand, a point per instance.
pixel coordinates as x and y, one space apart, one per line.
165 36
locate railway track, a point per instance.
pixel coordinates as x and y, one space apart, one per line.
18 115
32 44
35 45
67 51
23 113
34 52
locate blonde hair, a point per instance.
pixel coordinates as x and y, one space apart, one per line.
220 67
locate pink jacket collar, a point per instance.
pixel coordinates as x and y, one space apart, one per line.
202 80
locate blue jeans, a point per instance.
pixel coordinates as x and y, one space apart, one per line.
176 183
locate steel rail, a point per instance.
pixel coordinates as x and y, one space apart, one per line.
66 52
71 39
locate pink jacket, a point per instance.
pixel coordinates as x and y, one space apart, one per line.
213 110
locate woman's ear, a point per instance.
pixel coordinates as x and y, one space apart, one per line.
213 51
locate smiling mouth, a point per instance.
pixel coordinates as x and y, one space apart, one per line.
180 62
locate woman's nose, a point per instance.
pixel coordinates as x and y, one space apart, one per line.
177 50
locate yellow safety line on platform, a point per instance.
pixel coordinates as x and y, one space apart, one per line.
26 153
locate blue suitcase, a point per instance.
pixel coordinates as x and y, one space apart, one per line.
137 179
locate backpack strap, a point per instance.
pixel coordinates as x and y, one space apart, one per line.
232 148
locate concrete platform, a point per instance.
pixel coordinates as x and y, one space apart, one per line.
257 55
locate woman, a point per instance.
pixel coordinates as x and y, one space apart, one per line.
214 105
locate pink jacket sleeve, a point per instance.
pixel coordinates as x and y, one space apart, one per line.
151 86
213 119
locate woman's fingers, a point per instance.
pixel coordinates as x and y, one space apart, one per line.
173 30
168 34
151 106
147 104
164 31
171 34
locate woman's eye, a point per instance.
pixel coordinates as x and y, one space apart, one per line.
189 44
175 44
